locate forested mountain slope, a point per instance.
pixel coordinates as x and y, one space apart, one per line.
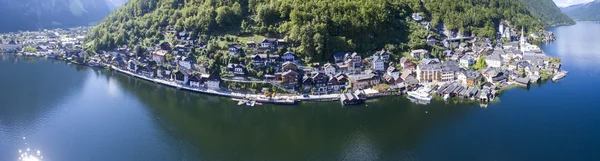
548 12
313 27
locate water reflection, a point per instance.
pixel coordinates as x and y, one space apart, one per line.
389 127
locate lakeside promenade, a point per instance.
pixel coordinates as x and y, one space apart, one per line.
285 100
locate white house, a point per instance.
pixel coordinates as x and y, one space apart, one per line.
466 61
462 78
329 69
186 62
493 60
213 83
378 64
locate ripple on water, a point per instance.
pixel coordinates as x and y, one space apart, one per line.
360 147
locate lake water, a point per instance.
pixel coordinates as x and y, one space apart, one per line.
75 113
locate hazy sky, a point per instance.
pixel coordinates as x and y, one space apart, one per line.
565 3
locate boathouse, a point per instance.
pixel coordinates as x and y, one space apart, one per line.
350 99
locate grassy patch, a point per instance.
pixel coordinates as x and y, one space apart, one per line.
242 39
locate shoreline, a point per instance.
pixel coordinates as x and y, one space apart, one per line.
277 100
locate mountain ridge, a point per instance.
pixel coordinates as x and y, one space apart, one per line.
584 12
43 14
548 12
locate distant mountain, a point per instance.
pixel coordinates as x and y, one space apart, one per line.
548 12
584 12
40 14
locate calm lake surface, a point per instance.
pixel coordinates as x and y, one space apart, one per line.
75 113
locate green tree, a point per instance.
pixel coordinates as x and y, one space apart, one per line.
480 64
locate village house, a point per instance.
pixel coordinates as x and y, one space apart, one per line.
288 56
320 81
162 72
181 49
307 83
469 77
165 46
406 63
195 81
377 63
494 60
418 53
289 66
133 65
392 77
329 69
353 60
449 71
238 70
384 55
268 43
159 56
466 61
146 71
259 59
212 82
182 76
235 49
185 62
333 84
343 81
289 76
364 80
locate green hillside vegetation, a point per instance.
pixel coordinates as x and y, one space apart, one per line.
548 12
584 12
314 28
479 17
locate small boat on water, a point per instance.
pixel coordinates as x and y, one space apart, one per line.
241 102
560 75
246 102
251 103
419 94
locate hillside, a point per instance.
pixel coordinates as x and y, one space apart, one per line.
38 14
584 12
315 28
548 12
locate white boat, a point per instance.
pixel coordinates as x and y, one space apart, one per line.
559 75
446 96
421 95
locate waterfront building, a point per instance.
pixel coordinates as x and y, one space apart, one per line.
429 72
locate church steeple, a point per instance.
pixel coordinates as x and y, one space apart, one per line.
523 41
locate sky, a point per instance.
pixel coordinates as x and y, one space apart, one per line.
565 3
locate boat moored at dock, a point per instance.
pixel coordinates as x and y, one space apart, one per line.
560 75
420 94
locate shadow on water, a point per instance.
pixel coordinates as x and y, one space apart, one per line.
383 128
